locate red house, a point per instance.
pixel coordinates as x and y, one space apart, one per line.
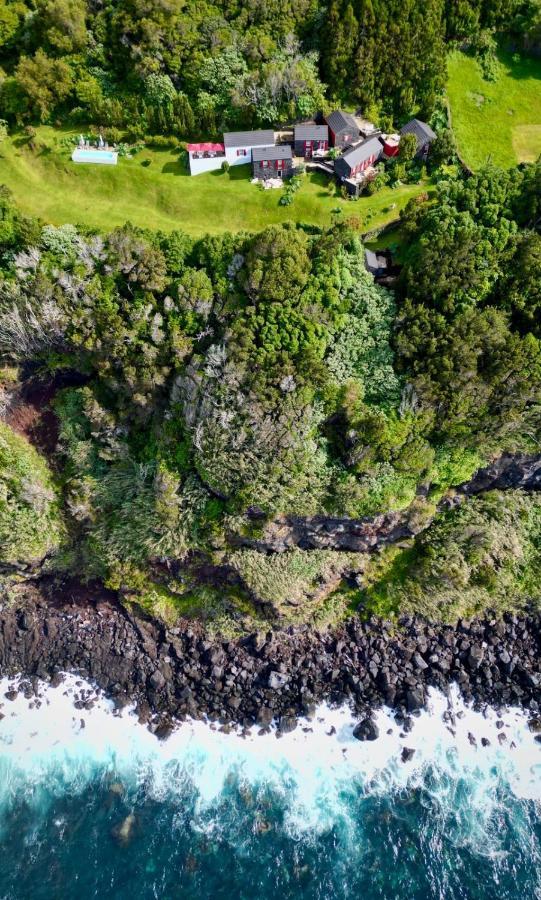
343 129
310 139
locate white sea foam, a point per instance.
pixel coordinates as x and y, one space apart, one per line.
49 750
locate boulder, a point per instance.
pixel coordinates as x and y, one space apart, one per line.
407 754
366 730
415 699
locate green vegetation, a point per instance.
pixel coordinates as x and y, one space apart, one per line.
500 120
162 195
30 521
232 364
484 555
296 582
234 379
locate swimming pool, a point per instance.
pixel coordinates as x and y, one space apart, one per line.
93 155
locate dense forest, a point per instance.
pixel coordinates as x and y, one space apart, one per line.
209 387
185 67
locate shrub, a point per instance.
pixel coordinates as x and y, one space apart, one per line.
294 578
30 521
483 555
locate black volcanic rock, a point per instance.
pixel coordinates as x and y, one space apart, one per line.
366 730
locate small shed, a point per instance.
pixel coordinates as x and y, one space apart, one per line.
311 139
378 263
343 129
272 162
391 144
424 134
205 157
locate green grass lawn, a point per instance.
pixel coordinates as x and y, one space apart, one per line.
162 195
497 120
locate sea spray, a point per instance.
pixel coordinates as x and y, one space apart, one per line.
314 794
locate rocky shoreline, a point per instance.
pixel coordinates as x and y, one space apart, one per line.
174 673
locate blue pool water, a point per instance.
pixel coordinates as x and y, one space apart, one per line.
106 811
91 155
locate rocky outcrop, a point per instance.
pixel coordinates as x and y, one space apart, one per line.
172 673
372 534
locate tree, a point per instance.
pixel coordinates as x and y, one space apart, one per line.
159 90
408 147
61 25
44 82
443 149
519 290
11 18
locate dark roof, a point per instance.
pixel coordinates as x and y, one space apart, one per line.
283 151
311 132
421 130
363 151
341 121
248 138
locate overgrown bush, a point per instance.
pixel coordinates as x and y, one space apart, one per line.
31 526
483 555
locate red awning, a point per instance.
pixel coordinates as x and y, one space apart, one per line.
193 148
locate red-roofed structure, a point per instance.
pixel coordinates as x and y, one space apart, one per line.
201 148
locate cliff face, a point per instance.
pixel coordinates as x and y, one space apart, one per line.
372 534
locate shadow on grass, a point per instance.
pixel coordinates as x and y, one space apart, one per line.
175 168
520 68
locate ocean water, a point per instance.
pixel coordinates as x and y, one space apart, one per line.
107 811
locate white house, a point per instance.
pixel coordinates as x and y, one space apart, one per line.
205 157
239 145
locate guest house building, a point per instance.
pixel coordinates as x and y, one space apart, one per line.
422 132
272 162
239 145
343 129
351 167
311 140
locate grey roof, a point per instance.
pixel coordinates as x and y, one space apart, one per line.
283 151
311 133
363 151
341 121
375 261
421 130
248 138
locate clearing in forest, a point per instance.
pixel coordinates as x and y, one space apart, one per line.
154 190
496 121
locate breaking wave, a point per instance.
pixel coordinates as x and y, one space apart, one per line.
93 805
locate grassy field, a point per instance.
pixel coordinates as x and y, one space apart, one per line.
497 120
162 195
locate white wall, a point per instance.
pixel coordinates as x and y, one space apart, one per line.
207 164
234 160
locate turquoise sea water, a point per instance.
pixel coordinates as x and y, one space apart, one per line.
105 810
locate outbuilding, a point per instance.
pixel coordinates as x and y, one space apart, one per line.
377 263
343 129
205 157
424 134
239 145
272 162
311 140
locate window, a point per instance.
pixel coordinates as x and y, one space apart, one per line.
264 163
347 137
242 152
